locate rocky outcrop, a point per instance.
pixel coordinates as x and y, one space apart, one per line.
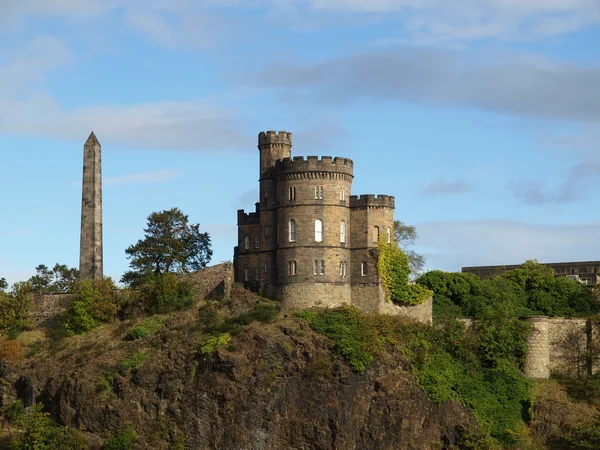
276 386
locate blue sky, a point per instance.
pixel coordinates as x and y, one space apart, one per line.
481 117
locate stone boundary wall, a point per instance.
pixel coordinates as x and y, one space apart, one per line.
213 282
47 308
558 345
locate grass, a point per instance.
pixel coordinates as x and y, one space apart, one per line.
146 328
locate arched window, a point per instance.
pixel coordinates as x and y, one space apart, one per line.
375 234
342 194
389 235
292 230
318 230
247 242
343 231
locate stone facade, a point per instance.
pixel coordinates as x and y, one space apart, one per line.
90 252
309 241
587 272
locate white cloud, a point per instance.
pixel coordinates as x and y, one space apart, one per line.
445 187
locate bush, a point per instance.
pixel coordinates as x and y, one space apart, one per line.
14 309
165 293
147 327
11 351
208 345
122 440
40 432
92 303
15 414
133 362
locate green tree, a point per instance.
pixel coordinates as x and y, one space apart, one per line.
59 279
15 307
171 245
3 284
405 237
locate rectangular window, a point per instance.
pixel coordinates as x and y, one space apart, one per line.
292 268
342 194
267 232
363 269
246 274
318 192
257 242
318 267
256 274
266 267
291 193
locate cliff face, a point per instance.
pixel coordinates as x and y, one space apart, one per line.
275 386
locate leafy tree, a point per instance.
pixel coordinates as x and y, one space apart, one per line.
59 279
171 245
3 284
405 237
15 307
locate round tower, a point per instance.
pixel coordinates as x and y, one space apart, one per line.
313 222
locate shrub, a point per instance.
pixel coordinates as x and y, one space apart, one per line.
146 328
14 309
40 432
122 440
15 414
92 303
208 345
133 362
166 292
11 351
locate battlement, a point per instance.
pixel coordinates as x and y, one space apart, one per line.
244 218
315 164
272 137
372 201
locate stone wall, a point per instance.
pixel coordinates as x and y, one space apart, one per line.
48 307
213 282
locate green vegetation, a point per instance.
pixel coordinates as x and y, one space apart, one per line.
171 245
405 237
528 290
92 303
393 267
163 293
122 440
59 279
133 362
40 432
147 327
208 345
14 309
479 368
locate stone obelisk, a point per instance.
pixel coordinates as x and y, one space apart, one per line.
90 253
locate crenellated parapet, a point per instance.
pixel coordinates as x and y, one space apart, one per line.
314 164
372 201
271 137
244 218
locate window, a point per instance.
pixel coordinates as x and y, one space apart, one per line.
318 230
343 231
389 235
292 230
266 267
318 267
343 269
292 268
342 194
318 192
267 232
363 269
257 242
375 234
256 274
246 274
291 193
266 196
247 242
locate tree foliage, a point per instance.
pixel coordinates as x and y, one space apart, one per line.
15 307
530 289
59 279
3 284
171 245
405 237
92 303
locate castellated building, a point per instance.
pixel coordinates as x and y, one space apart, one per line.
309 241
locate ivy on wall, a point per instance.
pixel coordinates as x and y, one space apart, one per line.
394 269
